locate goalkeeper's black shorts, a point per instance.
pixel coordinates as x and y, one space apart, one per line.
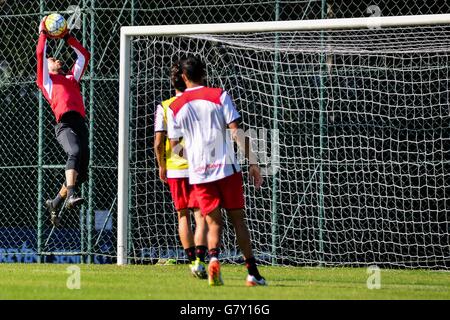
72 134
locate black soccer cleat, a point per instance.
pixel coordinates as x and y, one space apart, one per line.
74 202
54 219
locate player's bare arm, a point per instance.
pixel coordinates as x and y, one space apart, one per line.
159 148
244 145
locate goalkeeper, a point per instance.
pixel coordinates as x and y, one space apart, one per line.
173 170
62 91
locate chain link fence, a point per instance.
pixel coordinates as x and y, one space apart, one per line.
31 161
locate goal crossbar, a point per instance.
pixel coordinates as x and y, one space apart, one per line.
292 25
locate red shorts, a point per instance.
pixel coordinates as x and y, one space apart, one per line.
228 193
182 193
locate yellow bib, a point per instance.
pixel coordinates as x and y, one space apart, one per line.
173 161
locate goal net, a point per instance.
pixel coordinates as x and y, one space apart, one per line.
352 130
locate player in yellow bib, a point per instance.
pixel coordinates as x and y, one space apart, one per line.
173 170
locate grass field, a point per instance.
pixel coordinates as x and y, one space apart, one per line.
48 281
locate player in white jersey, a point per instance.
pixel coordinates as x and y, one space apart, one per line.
201 116
173 170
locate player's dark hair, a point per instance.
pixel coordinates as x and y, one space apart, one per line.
175 77
193 68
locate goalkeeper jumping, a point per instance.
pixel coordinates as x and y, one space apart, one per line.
62 91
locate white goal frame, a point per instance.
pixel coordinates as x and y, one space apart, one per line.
126 33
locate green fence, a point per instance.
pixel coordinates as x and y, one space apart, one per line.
31 161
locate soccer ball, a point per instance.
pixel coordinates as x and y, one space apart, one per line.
56 25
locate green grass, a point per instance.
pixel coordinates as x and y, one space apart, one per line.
48 281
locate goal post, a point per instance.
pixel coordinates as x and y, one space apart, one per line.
345 226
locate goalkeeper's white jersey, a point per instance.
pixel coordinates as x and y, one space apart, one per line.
201 115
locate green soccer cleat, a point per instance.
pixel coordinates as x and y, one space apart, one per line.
198 269
215 277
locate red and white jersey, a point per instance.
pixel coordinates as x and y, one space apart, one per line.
62 91
201 116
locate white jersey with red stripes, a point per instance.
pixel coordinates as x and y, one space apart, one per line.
200 116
